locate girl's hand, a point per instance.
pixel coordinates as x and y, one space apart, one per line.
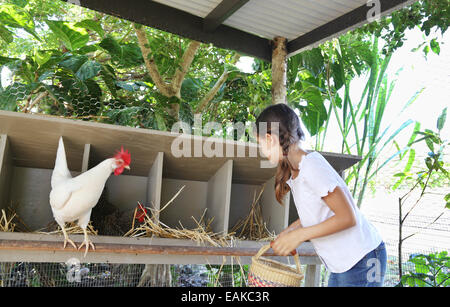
284 245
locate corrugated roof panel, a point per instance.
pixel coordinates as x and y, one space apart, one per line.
200 8
288 18
270 18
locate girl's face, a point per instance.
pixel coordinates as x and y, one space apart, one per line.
270 148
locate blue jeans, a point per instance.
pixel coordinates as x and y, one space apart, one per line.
368 272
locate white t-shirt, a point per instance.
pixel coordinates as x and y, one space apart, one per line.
342 250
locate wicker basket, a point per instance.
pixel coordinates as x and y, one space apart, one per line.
264 272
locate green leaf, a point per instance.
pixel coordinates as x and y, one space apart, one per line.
338 75
74 63
88 70
124 55
91 25
6 35
6 60
185 113
160 122
311 59
441 119
73 38
42 56
16 17
434 45
108 76
128 86
13 94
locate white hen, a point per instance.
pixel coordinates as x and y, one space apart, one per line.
72 199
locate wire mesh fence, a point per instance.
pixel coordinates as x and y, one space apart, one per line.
74 274
428 234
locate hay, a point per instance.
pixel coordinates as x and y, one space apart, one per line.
153 227
6 222
253 227
10 221
71 228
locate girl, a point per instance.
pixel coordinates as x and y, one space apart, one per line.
348 245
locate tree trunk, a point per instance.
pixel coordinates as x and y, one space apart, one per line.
156 275
279 70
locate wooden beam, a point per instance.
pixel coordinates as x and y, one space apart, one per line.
222 12
279 70
342 24
5 170
166 18
58 254
143 144
51 246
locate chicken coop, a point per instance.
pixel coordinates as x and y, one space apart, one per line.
221 188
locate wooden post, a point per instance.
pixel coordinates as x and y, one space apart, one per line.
312 275
86 158
279 70
154 184
5 170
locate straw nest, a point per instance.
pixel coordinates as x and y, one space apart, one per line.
252 227
71 228
6 222
10 221
154 227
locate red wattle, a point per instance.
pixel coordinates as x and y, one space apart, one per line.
118 171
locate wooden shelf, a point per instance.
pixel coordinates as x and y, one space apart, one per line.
29 247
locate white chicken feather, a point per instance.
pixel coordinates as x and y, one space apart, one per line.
72 199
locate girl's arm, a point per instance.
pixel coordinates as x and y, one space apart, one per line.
291 227
343 218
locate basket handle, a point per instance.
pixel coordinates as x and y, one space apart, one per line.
265 248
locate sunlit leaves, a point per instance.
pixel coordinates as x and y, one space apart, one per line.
72 37
124 55
16 17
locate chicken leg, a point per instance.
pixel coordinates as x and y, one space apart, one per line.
86 242
66 237
83 222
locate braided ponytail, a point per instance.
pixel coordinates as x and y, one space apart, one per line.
289 133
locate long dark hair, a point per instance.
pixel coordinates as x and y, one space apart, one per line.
289 132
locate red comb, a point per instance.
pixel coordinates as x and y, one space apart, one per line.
124 155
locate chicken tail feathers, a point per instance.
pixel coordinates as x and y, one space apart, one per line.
61 171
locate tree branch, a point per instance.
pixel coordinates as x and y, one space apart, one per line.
186 62
150 64
215 89
36 101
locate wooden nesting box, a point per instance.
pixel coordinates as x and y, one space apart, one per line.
223 185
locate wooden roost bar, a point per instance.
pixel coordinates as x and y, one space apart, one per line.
223 186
